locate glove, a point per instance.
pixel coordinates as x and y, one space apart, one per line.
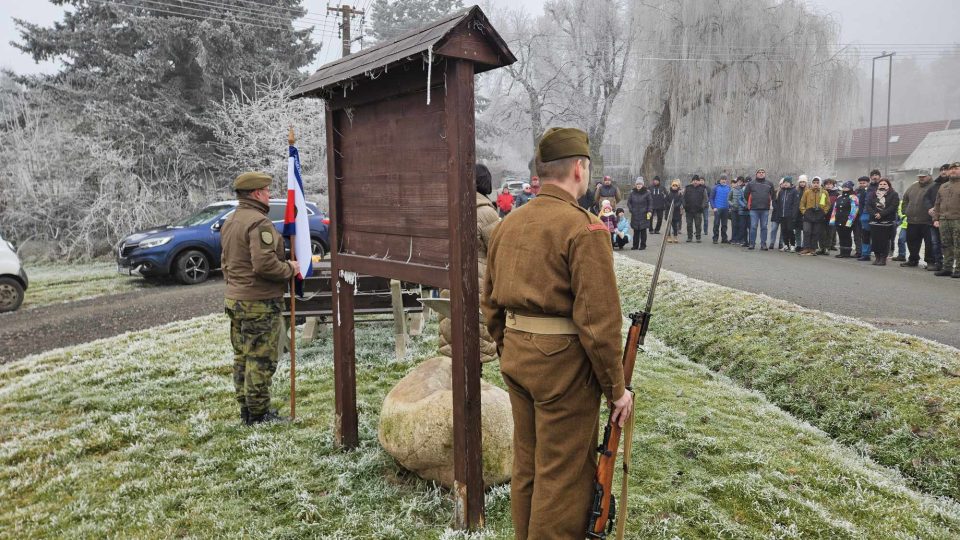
648 215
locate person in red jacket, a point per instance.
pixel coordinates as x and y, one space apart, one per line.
504 202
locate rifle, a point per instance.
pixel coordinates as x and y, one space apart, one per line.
603 510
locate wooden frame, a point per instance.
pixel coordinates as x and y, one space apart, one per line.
400 159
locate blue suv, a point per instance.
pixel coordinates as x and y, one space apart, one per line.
189 249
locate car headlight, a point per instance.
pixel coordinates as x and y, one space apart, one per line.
154 242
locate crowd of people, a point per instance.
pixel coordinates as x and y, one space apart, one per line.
866 220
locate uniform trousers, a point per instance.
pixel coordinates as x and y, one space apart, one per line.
255 327
950 242
555 399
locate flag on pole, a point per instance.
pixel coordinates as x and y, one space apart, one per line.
295 222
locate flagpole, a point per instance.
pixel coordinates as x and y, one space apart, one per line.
293 315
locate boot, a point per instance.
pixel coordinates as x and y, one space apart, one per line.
934 267
956 274
864 258
909 264
267 417
883 261
244 415
844 254
899 258
943 273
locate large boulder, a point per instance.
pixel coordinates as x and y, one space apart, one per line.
416 425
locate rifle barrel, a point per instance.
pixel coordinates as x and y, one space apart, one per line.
656 269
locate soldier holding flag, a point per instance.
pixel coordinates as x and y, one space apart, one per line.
256 277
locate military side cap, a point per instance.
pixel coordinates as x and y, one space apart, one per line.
560 143
249 181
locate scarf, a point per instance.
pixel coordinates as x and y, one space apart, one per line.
881 199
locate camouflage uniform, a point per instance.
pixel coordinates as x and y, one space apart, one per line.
256 277
255 327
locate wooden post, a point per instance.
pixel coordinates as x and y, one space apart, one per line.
346 431
399 319
464 299
311 329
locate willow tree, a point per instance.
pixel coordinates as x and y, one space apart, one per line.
738 83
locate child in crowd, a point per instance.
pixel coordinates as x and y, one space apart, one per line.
621 236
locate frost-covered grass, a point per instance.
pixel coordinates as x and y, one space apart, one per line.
891 396
52 284
137 436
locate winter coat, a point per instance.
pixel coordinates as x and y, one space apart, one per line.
675 199
930 197
787 204
814 205
888 213
758 194
721 197
694 199
487 221
947 205
610 193
737 202
505 202
658 198
523 198
610 220
845 210
914 206
624 228
639 203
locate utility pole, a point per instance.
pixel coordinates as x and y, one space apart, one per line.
346 12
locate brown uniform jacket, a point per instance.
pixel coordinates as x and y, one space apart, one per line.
948 201
552 257
252 257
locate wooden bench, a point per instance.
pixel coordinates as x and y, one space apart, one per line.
374 296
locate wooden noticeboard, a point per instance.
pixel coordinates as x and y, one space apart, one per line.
400 151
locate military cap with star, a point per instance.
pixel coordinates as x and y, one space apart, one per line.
560 143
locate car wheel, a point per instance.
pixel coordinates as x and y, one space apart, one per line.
11 294
192 267
317 249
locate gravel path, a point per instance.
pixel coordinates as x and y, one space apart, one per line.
909 300
53 326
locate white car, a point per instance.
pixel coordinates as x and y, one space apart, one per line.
13 280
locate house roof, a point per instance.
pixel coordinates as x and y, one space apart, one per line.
904 139
404 48
936 148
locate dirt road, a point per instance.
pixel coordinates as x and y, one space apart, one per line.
62 325
909 300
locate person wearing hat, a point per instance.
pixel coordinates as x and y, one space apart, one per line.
525 196
639 202
843 216
814 205
787 204
829 241
675 199
694 202
256 276
557 325
918 221
946 216
607 191
658 202
802 181
929 198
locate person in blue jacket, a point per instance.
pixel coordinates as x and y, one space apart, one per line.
720 202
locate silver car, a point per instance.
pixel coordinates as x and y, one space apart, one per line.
13 280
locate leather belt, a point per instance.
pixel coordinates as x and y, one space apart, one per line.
541 325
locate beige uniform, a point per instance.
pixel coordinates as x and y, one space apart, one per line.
552 260
252 257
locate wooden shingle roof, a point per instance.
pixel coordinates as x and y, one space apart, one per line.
435 36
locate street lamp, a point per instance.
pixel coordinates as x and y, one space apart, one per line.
873 72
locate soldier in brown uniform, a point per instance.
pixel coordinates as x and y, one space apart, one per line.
256 276
551 304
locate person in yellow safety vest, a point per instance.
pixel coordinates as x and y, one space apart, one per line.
901 235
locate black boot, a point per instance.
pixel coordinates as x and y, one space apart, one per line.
244 415
883 261
909 264
943 273
934 267
269 416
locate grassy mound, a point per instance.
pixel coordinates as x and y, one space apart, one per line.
891 396
137 436
53 284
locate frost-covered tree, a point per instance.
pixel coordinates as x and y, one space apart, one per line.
737 84
392 18
144 74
